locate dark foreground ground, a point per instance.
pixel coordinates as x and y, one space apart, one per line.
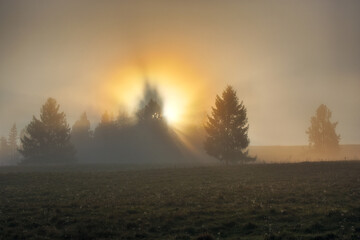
274 201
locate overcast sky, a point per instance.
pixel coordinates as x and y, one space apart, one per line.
284 58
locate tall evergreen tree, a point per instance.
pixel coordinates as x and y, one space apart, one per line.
47 140
151 111
4 146
81 129
322 132
4 151
106 138
12 140
107 127
81 136
227 128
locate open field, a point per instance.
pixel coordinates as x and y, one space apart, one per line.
280 154
259 201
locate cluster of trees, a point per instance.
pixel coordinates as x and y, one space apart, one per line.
146 138
143 139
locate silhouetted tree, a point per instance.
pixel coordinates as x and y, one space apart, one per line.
106 128
227 129
4 151
106 138
322 134
4 146
151 111
12 141
81 136
47 140
81 129
151 105
123 120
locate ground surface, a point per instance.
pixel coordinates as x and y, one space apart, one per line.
274 201
280 154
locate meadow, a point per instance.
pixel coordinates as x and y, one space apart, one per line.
318 200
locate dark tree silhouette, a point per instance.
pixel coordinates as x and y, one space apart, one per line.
143 139
227 129
151 111
13 146
322 135
123 120
81 129
4 146
106 128
47 140
151 105
106 138
81 136
4 151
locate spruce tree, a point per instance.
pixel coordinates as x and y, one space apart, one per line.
151 111
226 128
80 131
4 151
47 140
81 137
12 140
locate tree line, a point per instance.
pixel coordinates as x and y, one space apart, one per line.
147 138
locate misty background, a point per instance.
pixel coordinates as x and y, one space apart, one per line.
284 58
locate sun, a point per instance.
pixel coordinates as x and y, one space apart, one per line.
171 114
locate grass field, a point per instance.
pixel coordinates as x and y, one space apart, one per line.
258 201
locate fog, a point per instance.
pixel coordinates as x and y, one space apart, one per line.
284 58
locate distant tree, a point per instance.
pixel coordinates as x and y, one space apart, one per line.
4 146
4 151
106 128
13 146
106 138
322 132
227 128
106 118
47 140
151 111
81 129
81 136
123 120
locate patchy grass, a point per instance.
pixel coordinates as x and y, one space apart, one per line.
260 201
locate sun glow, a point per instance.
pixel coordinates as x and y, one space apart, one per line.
172 113
178 87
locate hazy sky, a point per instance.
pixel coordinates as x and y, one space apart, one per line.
284 58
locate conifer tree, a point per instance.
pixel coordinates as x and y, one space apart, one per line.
80 131
81 137
4 151
47 140
226 128
12 141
